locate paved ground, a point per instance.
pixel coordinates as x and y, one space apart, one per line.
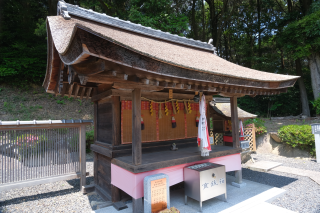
247 199
302 193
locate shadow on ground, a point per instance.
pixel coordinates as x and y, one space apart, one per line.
265 178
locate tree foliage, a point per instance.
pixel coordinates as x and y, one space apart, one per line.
266 35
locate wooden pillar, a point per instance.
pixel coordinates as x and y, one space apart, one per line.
82 153
136 127
137 205
235 122
116 121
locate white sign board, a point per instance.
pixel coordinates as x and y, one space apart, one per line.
316 132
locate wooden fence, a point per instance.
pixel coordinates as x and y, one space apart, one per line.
251 137
37 152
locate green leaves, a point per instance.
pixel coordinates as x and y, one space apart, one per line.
158 15
301 37
316 105
299 136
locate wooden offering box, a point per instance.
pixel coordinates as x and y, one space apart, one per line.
131 72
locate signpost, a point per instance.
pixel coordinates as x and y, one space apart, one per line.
316 132
156 193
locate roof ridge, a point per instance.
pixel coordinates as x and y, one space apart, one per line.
64 9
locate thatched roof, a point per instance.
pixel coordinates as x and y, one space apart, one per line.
189 59
222 106
144 41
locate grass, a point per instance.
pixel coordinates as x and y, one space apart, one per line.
20 109
60 102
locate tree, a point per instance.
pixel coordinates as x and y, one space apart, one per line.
302 38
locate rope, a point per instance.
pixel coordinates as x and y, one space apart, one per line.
161 102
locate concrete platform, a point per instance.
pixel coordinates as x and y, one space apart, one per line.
263 166
252 198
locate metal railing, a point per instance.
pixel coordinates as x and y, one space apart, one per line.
36 152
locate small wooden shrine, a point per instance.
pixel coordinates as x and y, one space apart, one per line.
139 80
220 126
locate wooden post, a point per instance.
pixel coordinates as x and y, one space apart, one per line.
238 175
82 153
254 145
136 127
116 120
235 122
137 205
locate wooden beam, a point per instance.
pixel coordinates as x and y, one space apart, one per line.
70 90
136 127
64 89
105 94
116 120
76 91
82 155
126 95
82 92
235 122
179 86
88 92
131 86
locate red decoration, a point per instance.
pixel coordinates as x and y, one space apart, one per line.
142 124
197 121
173 121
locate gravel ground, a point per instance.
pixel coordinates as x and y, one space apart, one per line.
302 193
299 163
62 196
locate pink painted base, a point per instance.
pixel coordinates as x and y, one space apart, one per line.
132 183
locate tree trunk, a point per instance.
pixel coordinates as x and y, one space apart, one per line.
282 60
314 65
213 21
193 21
52 4
203 23
259 28
303 91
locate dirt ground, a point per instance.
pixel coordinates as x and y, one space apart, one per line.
274 125
33 103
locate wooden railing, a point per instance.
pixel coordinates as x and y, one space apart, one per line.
36 152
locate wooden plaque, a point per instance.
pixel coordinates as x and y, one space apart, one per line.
170 93
158 195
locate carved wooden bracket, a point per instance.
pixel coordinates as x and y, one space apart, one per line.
83 79
71 75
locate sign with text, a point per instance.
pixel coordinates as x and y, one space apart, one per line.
156 193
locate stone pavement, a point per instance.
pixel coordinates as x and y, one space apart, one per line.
252 198
315 176
263 166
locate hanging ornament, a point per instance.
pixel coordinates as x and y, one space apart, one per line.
173 121
142 124
166 111
177 106
189 107
197 121
151 108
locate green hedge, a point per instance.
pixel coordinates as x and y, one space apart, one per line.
299 136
